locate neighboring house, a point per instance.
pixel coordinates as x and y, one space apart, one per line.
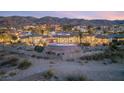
66 38
102 40
74 38
99 32
28 33
116 37
69 38
31 40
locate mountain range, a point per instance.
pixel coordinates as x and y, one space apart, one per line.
18 21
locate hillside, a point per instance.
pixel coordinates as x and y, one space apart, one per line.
18 21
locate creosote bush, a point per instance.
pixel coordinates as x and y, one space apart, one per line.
24 64
115 56
2 73
12 74
48 74
94 57
10 62
39 48
51 62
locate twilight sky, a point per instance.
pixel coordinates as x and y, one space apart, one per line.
111 15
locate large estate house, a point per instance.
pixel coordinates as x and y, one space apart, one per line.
74 38
65 38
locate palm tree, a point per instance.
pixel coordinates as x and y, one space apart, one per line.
80 36
90 30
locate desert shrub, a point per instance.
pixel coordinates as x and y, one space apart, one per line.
51 62
113 47
99 56
75 78
115 55
70 60
2 55
120 54
2 73
38 57
39 48
12 74
33 55
13 59
116 59
48 74
10 62
81 62
24 65
85 44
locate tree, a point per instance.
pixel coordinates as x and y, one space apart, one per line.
67 27
80 36
14 37
39 48
90 29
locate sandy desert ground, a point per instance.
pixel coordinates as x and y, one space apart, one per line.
59 70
